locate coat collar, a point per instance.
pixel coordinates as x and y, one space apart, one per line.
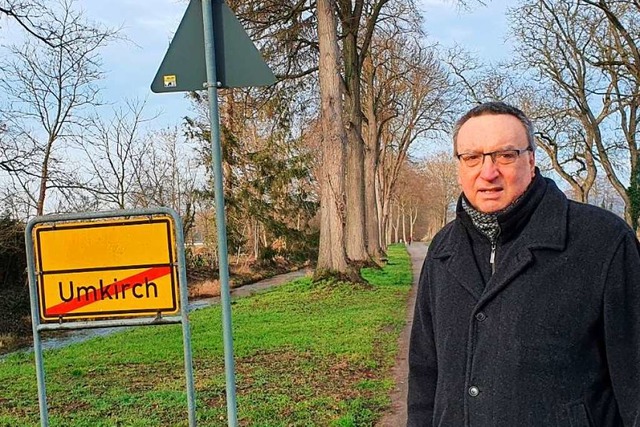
546 228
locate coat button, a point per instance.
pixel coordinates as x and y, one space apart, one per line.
474 391
480 317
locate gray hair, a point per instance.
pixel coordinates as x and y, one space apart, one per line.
494 108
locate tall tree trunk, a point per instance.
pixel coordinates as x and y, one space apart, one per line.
412 223
371 209
256 239
387 218
331 255
404 226
383 215
396 226
356 232
445 210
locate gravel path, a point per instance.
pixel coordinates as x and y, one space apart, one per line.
252 288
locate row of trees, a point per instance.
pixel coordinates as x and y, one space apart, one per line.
381 89
327 148
62 150
575 72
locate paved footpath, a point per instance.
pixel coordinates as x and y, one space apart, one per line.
397 416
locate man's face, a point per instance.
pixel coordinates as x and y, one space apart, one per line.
491 187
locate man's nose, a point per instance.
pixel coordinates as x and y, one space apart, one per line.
489 170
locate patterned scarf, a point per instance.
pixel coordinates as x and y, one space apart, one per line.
486 223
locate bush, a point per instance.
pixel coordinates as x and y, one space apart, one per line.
13 258
14 292
14 311
300 247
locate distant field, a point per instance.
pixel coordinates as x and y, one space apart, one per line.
306 355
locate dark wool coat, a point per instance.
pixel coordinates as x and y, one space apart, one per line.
551 339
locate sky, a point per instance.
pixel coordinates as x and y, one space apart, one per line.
148 26
480 29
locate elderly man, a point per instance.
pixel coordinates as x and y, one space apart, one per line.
528 307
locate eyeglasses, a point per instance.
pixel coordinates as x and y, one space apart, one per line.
500 157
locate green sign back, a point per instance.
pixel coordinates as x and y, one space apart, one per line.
238 62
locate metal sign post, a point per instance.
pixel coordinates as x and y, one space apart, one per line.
195 62
221 225
107 269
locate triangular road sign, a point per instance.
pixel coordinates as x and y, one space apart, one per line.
238 62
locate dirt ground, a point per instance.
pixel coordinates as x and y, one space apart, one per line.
397 416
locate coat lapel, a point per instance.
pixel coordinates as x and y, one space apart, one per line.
460 261
514 265
547 229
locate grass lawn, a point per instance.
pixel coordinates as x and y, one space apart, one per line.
306 355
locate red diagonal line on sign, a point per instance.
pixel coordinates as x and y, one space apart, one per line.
113 288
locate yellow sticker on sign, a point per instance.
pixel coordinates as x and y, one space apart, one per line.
170 80
103 269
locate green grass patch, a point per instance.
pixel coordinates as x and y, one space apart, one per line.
305 355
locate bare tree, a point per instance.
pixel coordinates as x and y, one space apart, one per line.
129 166
560 133
47 90
113 151
165 173
34 17
383 70
584 50
440 176
478 82
619 59
356 39
286 33
420 106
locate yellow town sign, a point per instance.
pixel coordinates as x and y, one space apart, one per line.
102 269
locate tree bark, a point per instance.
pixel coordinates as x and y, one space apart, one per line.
371 158
356 238
331 255
404 227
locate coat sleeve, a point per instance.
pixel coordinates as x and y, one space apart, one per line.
422 359
622 327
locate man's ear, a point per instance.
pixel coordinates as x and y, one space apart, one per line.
532 163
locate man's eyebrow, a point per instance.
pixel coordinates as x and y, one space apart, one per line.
503 148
